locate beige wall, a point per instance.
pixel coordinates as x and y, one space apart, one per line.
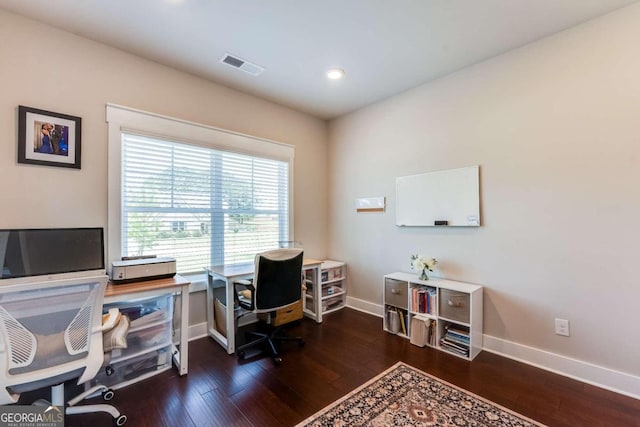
53 70
555 127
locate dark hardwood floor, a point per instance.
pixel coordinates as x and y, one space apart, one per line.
343 352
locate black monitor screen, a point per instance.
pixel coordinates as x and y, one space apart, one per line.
36 252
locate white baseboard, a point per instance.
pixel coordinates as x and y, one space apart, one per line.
197 331
599 376
589 373
200 330
365 306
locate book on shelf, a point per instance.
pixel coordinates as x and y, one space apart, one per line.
456 330
432 302
423 300
453 344
432 333
426 297
455 350
456 339
457 335
453 347
403 327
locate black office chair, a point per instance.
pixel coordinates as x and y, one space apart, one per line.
277 284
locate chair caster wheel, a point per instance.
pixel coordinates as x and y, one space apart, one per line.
277 360
108 394
241 355
120 420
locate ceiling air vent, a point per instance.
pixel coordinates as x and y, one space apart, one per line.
241 64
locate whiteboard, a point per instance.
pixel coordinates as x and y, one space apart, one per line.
451 195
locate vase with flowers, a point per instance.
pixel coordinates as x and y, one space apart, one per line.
422 265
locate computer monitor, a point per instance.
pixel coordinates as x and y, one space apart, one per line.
47 251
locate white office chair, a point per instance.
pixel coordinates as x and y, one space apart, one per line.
51 332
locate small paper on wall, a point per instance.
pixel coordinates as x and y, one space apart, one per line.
370 204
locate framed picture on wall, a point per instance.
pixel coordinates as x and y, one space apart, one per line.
48 138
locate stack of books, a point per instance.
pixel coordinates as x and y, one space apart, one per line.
455 340
423 300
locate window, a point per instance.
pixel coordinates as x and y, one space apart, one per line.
177 226
200 205
228 194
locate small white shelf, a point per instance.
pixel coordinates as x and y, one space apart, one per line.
330 274
426 315
328 282
457 322
455 307
333 295
331 310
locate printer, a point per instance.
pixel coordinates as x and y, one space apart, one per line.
138 269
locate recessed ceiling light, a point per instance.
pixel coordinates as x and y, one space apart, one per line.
335 73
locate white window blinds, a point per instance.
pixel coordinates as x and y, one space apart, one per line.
202 206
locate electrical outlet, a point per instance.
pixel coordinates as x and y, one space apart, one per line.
562 327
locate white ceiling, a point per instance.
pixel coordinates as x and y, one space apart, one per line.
385 46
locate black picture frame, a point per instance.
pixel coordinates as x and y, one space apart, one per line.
48 139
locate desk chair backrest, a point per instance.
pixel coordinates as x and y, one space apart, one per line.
277 279
50 332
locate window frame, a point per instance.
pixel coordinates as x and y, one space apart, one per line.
128 120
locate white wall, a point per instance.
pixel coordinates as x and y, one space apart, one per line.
46 68
555 127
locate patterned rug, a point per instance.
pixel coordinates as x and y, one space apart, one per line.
405 396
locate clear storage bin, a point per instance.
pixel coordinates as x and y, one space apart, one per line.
145 338
331 290
145 311
130 369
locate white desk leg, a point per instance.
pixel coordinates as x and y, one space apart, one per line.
210 314
315 311
184 330
231 320
317 289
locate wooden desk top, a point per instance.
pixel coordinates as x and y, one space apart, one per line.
308 262
246 269
146 285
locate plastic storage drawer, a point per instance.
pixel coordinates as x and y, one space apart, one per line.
130 369
145 311
144 339
454 305
395 293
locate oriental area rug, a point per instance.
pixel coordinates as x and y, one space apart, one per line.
405 396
